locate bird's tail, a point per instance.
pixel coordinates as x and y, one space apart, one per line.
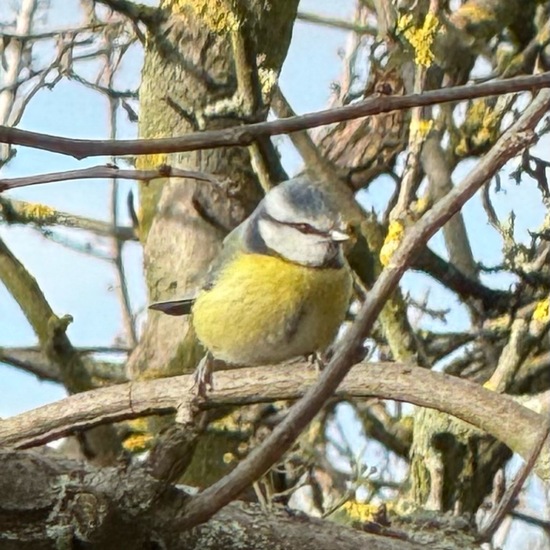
174 307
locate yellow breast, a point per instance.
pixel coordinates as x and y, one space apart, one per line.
263 310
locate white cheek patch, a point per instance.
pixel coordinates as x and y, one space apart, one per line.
288 242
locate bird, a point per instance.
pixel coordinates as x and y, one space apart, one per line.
280 287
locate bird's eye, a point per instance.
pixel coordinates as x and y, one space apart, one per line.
304 227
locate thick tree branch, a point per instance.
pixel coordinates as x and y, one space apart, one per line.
49 503
501 416
245 135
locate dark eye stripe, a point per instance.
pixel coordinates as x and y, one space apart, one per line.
305 228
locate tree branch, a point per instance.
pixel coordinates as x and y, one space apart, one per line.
501 416
134 11
335 23
245 135
107 171
22 212
127 507
51 332
33 361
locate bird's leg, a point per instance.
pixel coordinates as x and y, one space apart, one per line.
204 375
318 360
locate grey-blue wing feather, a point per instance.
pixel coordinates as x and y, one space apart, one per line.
243 239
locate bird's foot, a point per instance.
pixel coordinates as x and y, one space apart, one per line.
204 375
317 360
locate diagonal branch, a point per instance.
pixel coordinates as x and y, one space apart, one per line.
136 12
508 499
245 135
519 136
102 443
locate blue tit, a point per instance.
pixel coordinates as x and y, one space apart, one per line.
281 287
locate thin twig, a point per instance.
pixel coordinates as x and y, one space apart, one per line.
128 318
106 171
335 23
507 502
69 31
245 135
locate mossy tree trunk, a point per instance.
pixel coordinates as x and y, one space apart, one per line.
192 80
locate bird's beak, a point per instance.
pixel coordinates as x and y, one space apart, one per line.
339 235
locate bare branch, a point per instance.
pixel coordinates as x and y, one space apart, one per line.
245 135
68 31
22 212
507 502
106 171
128 318
495 413
335 23
34 361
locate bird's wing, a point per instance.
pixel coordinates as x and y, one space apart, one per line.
236 242
233 244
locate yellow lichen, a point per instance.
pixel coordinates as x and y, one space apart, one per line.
392 241
139 440
475 13
422 205
137 443
480 129
216 15
268 79
542 311
38 212
360 511
420 128
147 162
228 458
420 38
